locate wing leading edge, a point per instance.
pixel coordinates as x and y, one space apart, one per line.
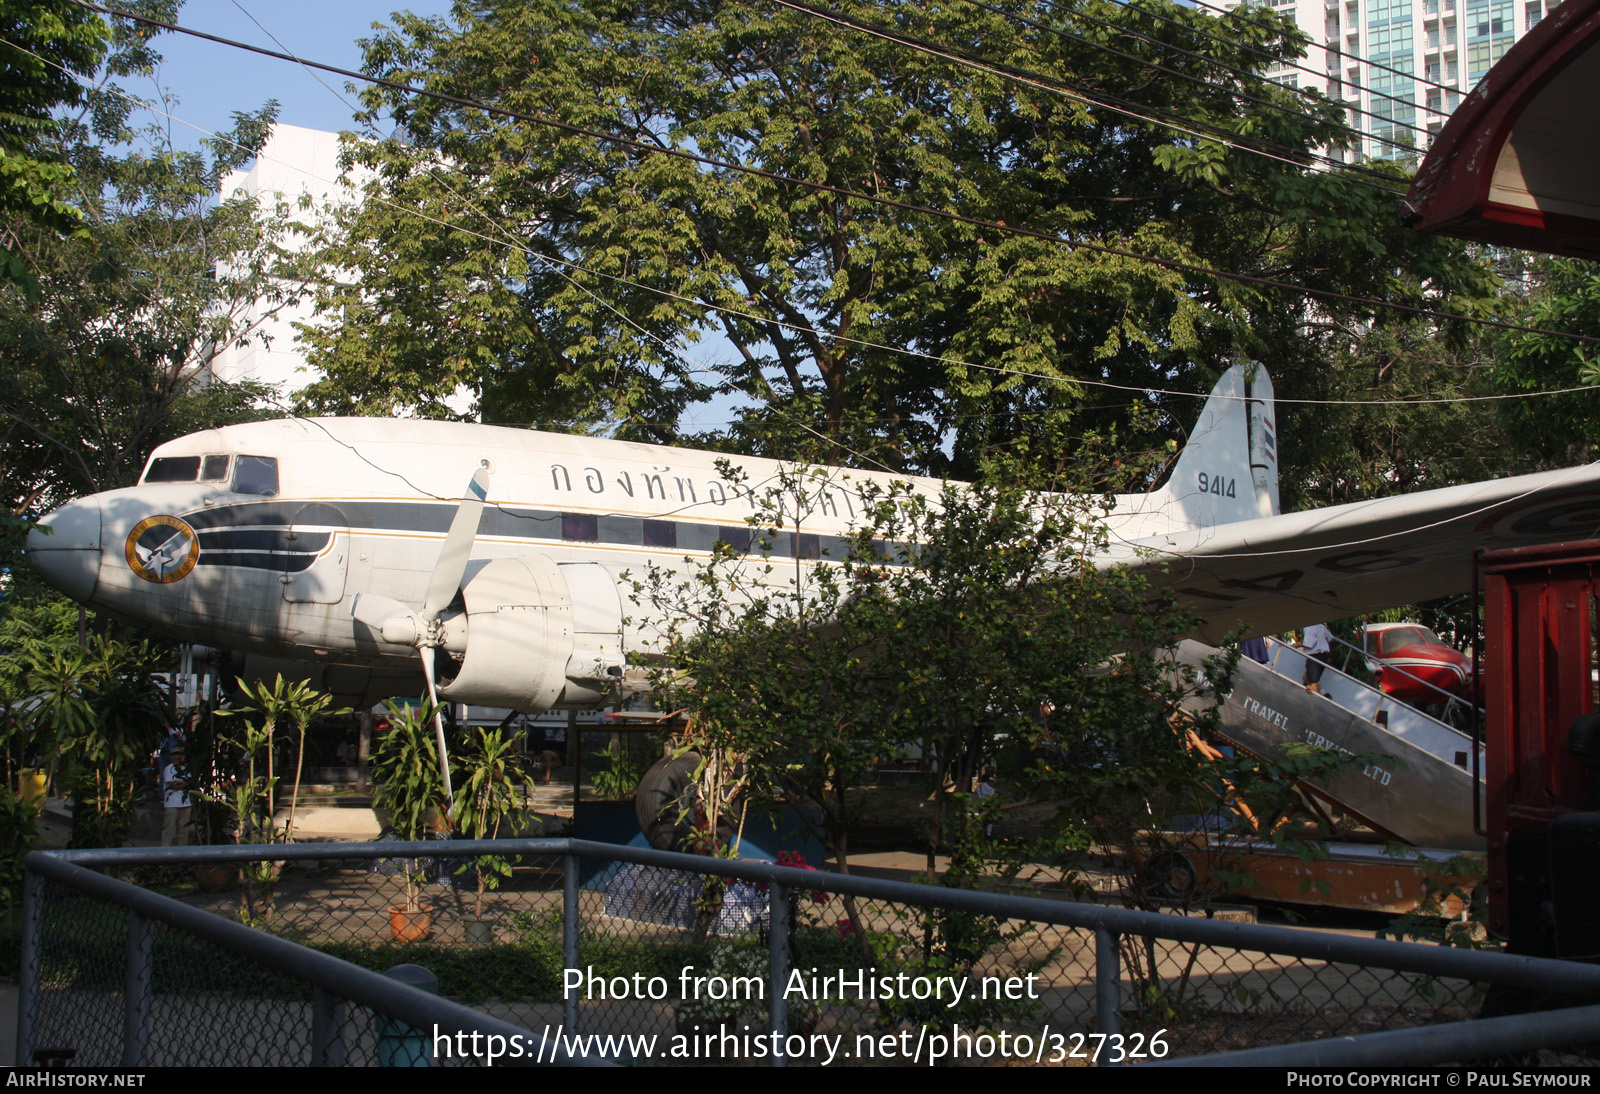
1274 573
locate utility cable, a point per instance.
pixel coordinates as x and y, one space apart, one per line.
1138 112
1172 47
846 339
1312 41
1176 265
1131 5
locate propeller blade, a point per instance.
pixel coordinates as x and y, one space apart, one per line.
438 724
452 564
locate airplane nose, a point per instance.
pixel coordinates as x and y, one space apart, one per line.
65 547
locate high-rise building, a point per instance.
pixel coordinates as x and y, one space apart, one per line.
1401 66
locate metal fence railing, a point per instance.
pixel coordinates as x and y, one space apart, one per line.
593 950
116 971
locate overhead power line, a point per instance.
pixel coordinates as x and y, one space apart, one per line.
1172 47
1325 48
508 239
1295 157
1132 5
1176 265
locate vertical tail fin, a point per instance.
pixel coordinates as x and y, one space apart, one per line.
1229 469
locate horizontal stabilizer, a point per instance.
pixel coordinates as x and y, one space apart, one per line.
1275 573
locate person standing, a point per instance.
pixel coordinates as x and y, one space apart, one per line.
1316 643
175 800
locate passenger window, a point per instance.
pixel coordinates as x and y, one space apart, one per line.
660 533
214 469
256 475
580 527
173 469
737 538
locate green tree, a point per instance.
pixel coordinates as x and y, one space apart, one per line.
97 714
1405 407
550 271
112 336
288 704
1560 430
972 628
486 794
410 791
47 46
120 275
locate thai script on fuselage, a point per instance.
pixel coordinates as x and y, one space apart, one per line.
806 496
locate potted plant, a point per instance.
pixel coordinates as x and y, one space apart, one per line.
485 796
406 766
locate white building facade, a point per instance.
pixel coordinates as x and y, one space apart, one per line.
299 170
1401 66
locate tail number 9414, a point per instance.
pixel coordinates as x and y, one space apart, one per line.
1216 484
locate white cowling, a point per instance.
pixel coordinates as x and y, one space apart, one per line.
538 635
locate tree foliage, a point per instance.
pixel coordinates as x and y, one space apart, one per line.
970 629
1560 430
1406 407
559 275
47 47
121 275
111 337
93 716
410 789
486 794
290 705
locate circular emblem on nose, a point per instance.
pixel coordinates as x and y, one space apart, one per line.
162 549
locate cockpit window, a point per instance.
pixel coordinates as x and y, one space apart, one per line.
256 475
188 469
173 469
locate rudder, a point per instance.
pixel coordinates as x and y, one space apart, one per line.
1229 469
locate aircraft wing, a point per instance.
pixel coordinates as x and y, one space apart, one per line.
1276 573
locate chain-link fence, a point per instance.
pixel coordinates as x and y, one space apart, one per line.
642 956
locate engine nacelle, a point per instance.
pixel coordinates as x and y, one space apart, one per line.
538 635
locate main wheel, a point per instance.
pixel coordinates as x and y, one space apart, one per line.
1168 876
667 805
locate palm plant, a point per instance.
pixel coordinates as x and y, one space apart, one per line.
485 796
252 796
299 704
406 766
99 714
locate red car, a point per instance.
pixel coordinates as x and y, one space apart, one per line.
1412 664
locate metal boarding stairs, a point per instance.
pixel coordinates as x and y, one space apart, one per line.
1417 780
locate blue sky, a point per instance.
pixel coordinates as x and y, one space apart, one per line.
212 81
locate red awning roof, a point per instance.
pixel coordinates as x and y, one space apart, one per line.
1518 163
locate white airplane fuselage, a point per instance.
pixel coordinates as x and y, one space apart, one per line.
260 537
350 542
